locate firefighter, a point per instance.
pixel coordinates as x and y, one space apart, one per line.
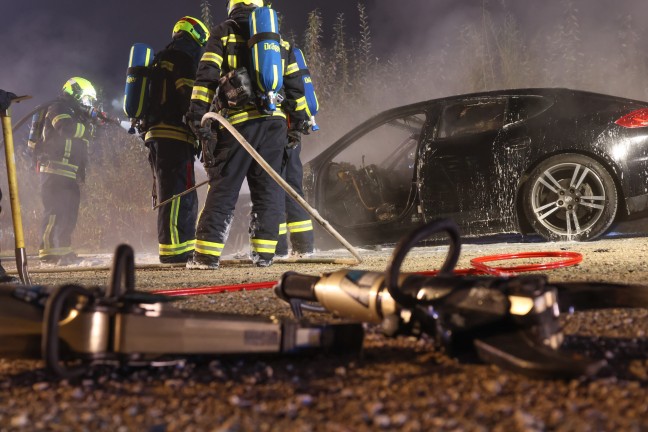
61 161
298 224
227 162
171 142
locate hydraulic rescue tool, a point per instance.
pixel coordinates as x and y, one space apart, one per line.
512 322
21 254
73 328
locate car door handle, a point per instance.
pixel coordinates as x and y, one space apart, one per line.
518 143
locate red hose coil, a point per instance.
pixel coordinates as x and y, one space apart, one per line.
571 258
478 267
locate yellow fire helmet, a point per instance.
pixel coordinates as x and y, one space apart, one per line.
81 89
233 4
198 31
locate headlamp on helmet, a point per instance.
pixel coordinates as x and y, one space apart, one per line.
233 4
198 31
82 90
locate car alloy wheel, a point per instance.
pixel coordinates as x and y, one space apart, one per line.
570 197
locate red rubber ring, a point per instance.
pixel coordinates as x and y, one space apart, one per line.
478 267
571 258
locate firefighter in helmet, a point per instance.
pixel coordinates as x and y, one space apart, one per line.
61 161
171 143
227 162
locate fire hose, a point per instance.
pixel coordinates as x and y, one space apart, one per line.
571 258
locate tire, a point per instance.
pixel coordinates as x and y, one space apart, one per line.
570 197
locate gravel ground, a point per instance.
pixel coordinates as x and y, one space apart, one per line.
393 384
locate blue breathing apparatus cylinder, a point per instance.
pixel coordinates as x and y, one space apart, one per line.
312 105
265 45
136 93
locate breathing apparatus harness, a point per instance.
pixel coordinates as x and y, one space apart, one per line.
512 322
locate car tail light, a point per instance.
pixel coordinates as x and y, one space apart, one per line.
635 119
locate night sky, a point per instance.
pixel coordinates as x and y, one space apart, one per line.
44 42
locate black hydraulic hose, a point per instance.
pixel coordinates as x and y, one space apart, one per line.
405 245
50 348
122 274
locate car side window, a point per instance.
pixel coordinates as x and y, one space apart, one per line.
525 107
471 117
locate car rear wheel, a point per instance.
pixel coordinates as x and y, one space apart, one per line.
570 197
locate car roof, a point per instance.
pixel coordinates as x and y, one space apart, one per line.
409 109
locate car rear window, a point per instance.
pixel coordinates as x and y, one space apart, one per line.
525 107
471 117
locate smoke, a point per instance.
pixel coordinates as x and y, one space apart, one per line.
422 50
425 50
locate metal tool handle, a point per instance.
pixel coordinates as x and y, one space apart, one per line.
50 343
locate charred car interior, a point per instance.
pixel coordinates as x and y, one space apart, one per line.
369 182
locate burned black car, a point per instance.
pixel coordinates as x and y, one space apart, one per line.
561 163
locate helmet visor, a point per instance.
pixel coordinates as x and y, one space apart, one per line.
87 100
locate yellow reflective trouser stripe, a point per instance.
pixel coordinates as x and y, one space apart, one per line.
177 249
209 248
60 117
56 252
48 231
173 220
212 57
202 94
268 246
292 68
282 229
301 226
251 115
184 82
285 44
80 130
232 60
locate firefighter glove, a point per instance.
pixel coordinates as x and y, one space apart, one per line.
5 100
294 138
303 126
193 120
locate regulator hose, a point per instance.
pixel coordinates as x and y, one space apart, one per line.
404 246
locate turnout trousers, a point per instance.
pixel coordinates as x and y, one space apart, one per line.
172 163
297 221
60 196
233 165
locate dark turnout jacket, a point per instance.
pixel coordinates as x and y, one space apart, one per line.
170 92
227 50
66 137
